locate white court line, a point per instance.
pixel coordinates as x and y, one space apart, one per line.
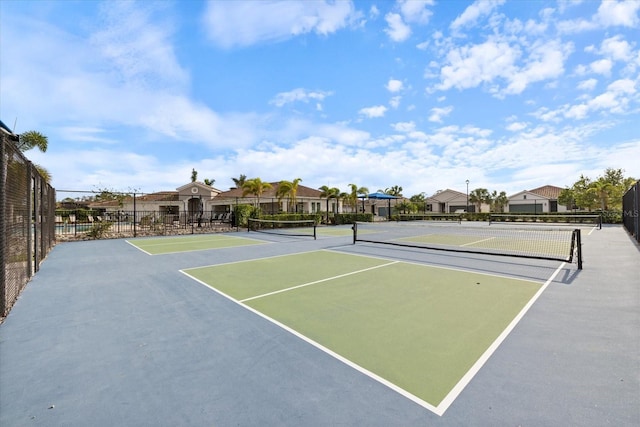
189 242
466 379
318 281
328 351
460 385
139 248
439 267
253 259
478 241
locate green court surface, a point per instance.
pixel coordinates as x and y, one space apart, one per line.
335 231
416 328
174 244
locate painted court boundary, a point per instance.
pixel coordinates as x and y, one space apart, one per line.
446 402
172 241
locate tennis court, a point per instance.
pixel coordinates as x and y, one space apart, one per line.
391 326
168 245
420 330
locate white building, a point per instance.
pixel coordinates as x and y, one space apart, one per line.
452 201
538 200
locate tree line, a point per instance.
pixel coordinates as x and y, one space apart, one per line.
604 193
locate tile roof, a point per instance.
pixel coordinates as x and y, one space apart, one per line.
549 191
161 196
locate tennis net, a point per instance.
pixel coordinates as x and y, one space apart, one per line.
300 228
577 220
430 216
555 244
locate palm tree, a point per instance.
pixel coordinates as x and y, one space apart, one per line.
353 195
34 139
479 196
342 196
289 189
256 187
329 193
405 207
499 201
363 191
396 190
239 182
602 189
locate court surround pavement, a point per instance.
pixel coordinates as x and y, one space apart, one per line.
105 335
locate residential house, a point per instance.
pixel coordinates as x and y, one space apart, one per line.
308 200
538 200
451 201
195 198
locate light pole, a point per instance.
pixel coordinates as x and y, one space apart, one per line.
467 210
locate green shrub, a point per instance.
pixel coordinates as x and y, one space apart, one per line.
99 229
350 218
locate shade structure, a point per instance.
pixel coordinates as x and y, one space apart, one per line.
381 196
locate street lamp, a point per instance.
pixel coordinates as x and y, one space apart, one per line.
467 210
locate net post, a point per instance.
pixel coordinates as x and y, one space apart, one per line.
355 232
599 221
578 248
314 231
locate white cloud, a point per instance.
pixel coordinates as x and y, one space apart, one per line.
588 84
544 61
601 66
516 126
618 13
611 13
563 5
616 48
438 113
243 23
416 10
374 12
370 112
627 86
397 30
615 100
406 12
404 126
394 85
137 46
86 134
394 102
504 68
300 95
470 66
474 12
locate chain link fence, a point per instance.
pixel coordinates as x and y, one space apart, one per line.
27 207
631 210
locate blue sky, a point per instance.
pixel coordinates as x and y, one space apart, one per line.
511 95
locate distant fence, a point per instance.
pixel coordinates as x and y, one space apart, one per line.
78 224
27 206
631 210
